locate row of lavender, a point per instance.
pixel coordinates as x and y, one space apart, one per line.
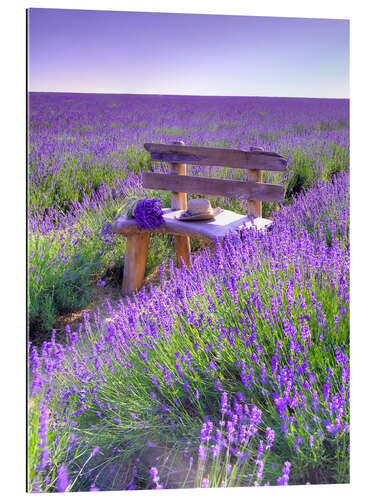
233 372
86 155
79 143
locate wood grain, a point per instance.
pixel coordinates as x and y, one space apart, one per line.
219 187
225 223
254 203
199 155
182 245
179 202
135 261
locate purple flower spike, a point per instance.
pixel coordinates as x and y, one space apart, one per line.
62 479
202 453
205 482
154 474
155 478
95 451
284 479
270 436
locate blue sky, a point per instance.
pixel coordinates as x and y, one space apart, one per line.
159 53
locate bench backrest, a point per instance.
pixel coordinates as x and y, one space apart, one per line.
254 161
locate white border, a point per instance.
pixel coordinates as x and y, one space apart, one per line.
13 232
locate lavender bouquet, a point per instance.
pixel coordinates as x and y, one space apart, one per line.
148 213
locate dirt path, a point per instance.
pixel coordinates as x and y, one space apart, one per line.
110 293
101 294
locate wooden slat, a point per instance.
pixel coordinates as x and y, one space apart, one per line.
218 187
220 157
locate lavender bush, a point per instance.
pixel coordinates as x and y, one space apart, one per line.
86 156
86 144
234 372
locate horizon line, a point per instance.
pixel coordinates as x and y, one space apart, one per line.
178 95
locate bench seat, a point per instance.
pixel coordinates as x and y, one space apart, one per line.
224 223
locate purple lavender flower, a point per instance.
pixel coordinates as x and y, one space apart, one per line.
155 478
204 482
224 402
148 214
43 426
270 436
95 451
305 333
260 449
44 459
284 479
259 464
62 479
154 474
202 453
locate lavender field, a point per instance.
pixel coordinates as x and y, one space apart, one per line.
232 372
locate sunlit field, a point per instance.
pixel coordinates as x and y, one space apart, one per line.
232 372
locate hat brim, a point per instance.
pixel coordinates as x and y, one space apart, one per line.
185 216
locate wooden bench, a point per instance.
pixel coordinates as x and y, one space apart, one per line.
178 155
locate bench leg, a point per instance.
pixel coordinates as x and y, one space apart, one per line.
182 244
135 261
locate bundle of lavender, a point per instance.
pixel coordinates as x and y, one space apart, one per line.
148 213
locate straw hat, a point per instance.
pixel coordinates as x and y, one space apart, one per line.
199 209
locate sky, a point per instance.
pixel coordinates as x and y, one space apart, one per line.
190 54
